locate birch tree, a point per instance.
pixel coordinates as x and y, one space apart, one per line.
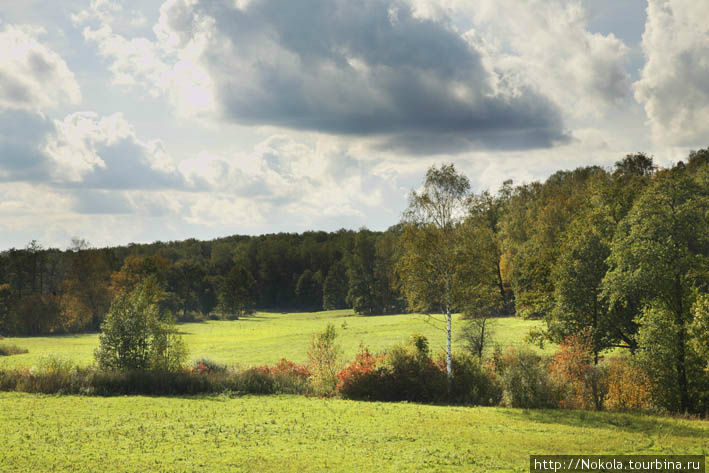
430 263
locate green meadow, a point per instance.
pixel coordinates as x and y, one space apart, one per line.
299 434
265 338
226 433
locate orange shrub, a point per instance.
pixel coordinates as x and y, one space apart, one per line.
286 368
628 386
356 380
582 383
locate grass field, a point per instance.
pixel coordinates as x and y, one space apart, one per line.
267 337
299 434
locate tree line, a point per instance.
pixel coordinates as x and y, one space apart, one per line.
539 250
47 290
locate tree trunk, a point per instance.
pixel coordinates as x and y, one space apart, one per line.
680 360
449 369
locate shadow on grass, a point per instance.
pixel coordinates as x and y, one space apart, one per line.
607 420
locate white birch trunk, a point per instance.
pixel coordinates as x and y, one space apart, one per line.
449 369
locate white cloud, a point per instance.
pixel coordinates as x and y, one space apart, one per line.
171 65
544 44
32 76
103 152
674 86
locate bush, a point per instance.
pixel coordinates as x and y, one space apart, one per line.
361 379
628 387
525 380
288 368
410 374
51 375
405 373
134 337
8 350
581 384
205 365
472 382
323 361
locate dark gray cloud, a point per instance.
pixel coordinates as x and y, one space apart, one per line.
22 138
365 68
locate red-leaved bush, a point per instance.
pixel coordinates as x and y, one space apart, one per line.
358 380
583 384
287 368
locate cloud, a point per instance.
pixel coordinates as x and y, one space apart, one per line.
287 177
162 67
367 69
545 45
674 85
32 76
23 137
84 151
104 153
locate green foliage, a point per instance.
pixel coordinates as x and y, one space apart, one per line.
532 228
237 293
578 273
665 356
373 286
660 259
134 337
526 381
699 329
473 383
309 290
335 287
324 360
434 254
409 374
405 372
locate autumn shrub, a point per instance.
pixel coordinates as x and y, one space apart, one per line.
8 350
206 365
361 379
628 386
288 377
405 372
289 368
525 380
581 384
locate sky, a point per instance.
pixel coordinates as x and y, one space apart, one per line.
140 120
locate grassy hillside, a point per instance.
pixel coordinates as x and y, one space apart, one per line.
267 337
298 434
